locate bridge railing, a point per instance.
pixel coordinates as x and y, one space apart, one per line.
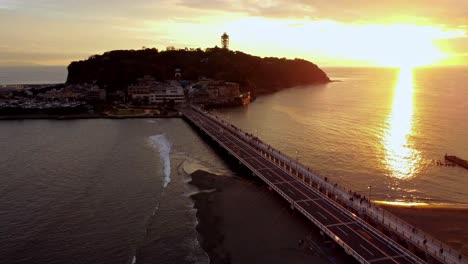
345 246
417 237
299 207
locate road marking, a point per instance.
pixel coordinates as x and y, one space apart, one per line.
385 258
309 200
280 172
280 182
347 223
367 250
365 234
342 231
322 215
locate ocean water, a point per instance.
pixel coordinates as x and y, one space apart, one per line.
32 74
115 191
100 191
378 127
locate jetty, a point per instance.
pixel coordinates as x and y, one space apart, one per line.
456 160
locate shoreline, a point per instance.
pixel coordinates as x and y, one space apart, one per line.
241 221
225 236
446 224
82 116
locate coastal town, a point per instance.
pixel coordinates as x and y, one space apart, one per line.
146 97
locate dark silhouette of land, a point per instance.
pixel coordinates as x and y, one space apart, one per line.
115 70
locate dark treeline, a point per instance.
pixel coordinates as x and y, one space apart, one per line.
117 69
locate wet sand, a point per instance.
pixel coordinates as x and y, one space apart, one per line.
449 225
241 221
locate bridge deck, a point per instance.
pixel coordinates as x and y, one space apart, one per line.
362 241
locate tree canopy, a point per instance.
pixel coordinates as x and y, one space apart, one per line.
115 70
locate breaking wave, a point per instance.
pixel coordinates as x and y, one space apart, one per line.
163 145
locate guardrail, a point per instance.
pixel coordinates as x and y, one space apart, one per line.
345 246
432 246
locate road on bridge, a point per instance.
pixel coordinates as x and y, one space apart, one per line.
369 244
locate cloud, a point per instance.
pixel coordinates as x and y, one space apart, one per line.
44 28
450 12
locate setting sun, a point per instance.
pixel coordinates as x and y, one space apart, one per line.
244 131
331 42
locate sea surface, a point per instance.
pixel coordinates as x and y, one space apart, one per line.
383 132
100 191
115 191
32 74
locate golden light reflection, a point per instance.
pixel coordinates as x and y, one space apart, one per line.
400 158
402 203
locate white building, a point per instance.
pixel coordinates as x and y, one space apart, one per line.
165 92
147 89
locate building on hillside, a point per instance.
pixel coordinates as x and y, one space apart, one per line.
117 97
72 92
95 94
222 90
218 93
148 90
144 85
166 92
178 74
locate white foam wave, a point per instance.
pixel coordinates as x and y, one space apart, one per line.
190 165
163 145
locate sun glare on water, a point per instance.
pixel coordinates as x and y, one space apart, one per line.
401 158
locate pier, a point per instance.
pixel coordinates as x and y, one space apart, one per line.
456 160
364 230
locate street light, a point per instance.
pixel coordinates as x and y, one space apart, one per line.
297 163
370 193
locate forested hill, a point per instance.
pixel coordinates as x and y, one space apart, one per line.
117 69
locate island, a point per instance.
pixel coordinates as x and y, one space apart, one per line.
118 69
151 83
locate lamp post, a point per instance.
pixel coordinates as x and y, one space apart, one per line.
297 163
370 194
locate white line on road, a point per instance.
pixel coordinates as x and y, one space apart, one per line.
322 215
347 223
342 231
385 258
367 250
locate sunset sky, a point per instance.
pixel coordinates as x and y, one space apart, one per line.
329 33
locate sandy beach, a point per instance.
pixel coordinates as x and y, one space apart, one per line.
446 224
241 221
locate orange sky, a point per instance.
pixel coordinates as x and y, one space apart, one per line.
329 33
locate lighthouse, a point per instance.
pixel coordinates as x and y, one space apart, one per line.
225 41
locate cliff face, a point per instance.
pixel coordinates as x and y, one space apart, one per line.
117 69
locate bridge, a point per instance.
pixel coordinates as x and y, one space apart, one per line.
364 230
